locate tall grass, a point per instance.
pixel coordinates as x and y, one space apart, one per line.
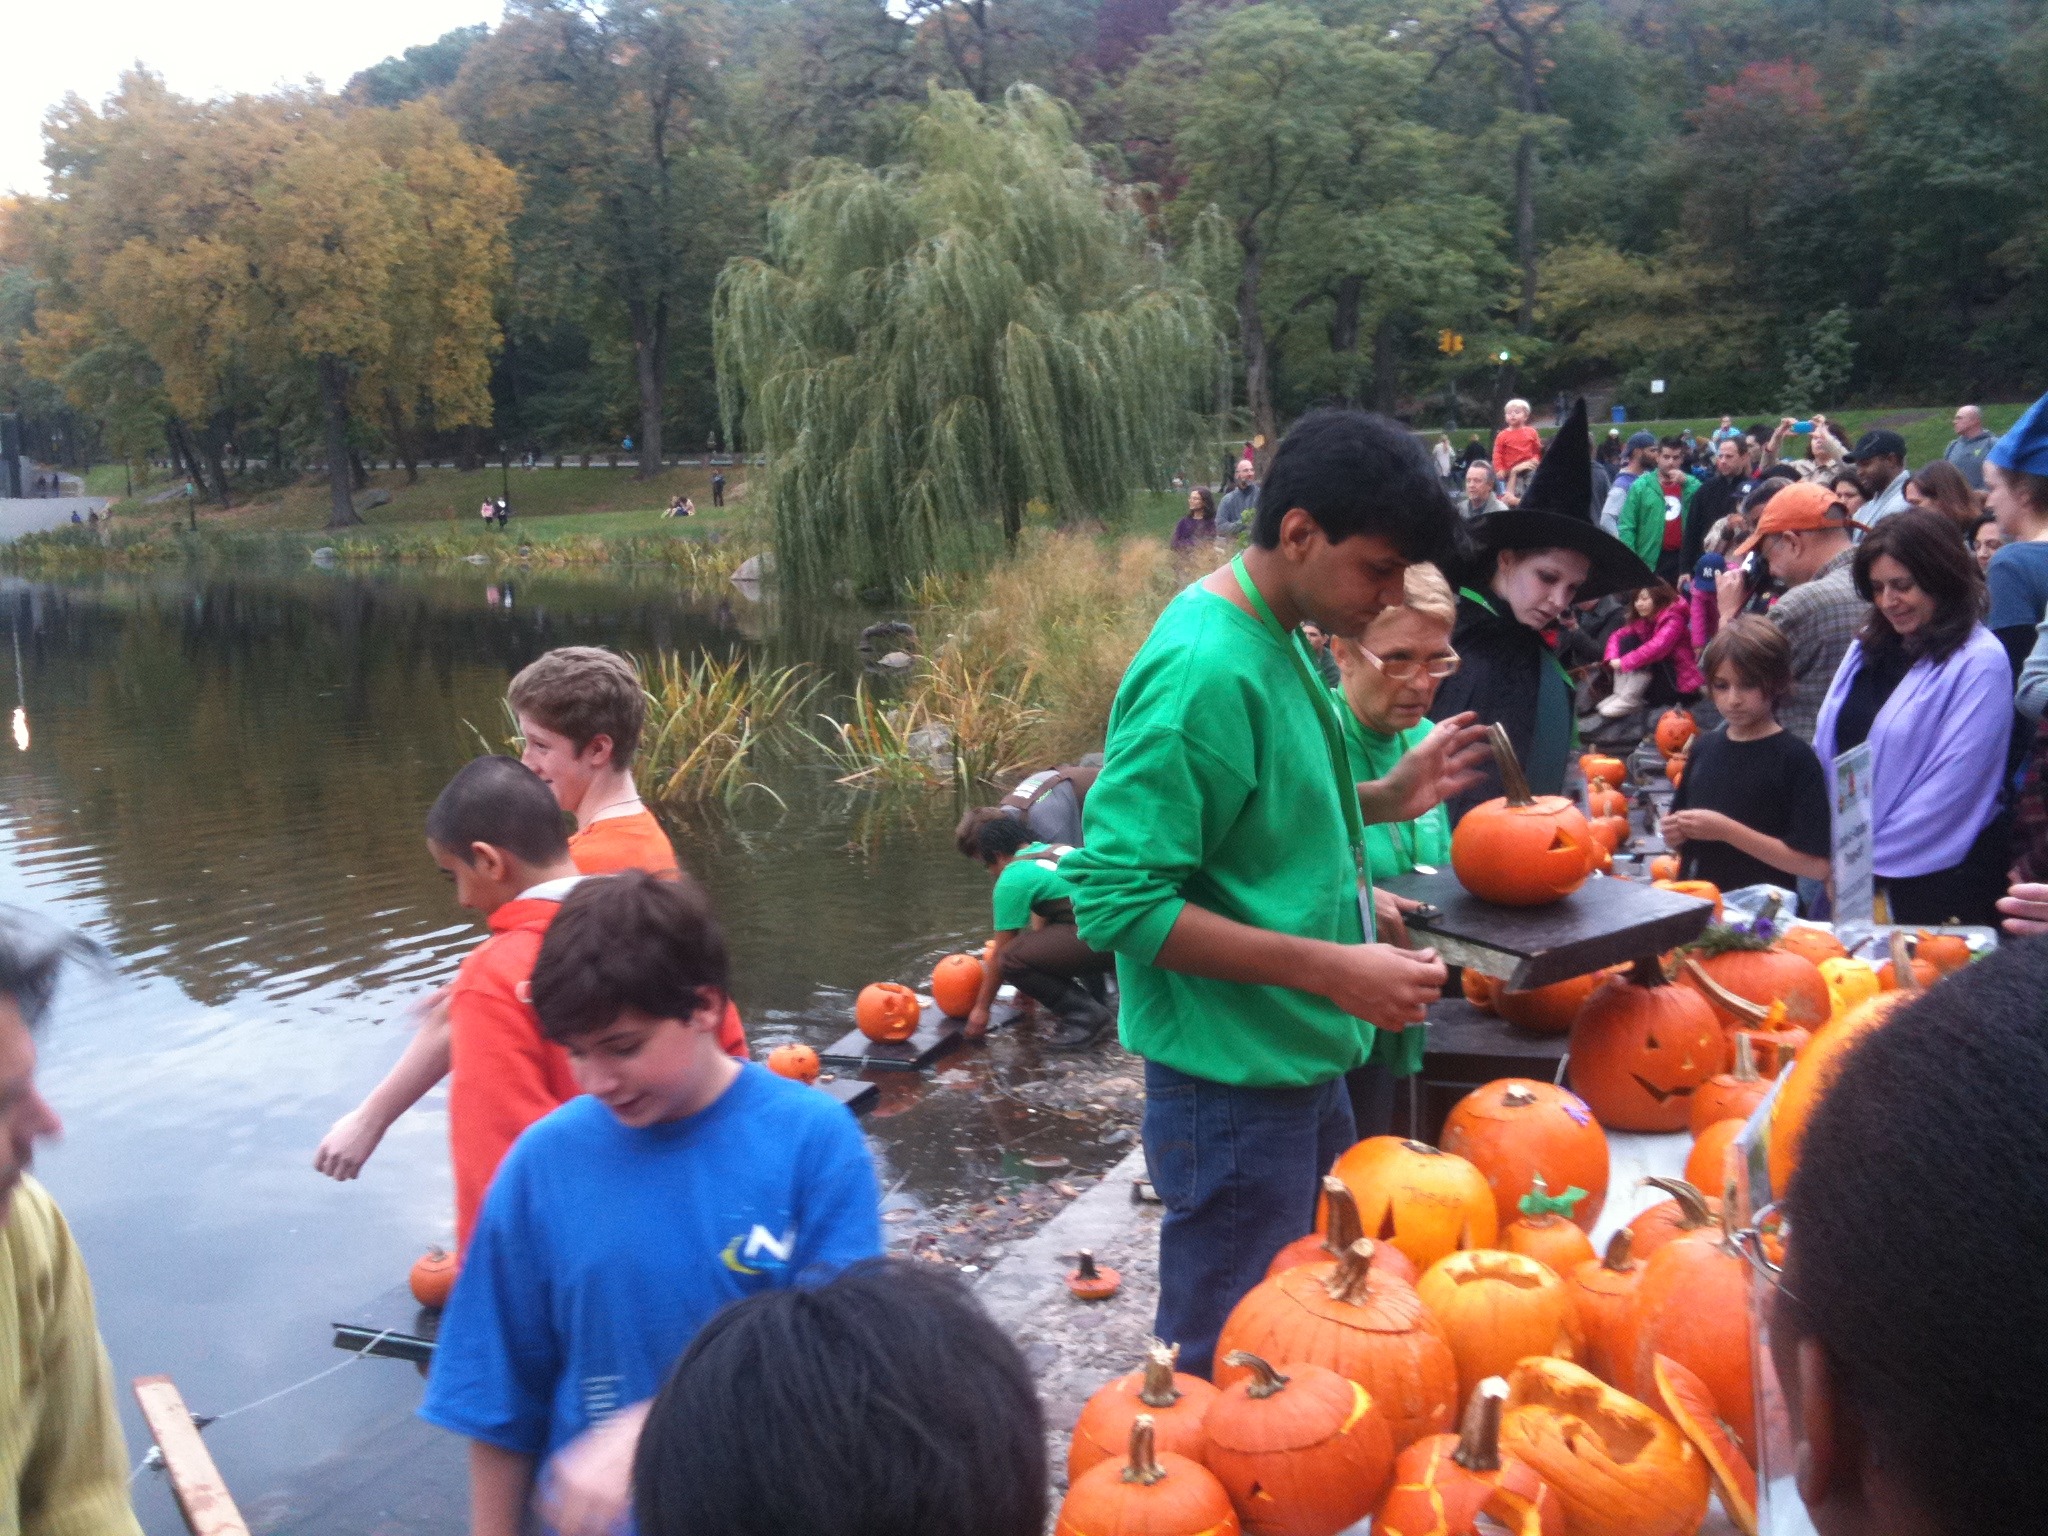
708 721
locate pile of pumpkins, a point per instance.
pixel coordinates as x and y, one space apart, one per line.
888 1010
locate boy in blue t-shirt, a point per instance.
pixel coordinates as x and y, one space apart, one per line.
680 1181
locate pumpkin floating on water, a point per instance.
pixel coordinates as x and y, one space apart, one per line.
1732 1095
432 1278
1176 1403
887 1010
956 985
1147 1492
1641 1048
1516 1130
1522 850
1603 1293
1547 1010
1426 1202
1618 1467
1358 1322
797 1062
1675 731
1300 1450
1496 1308
1442 1485
1546 1229
1338 1228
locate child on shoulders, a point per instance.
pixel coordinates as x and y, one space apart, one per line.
1517 442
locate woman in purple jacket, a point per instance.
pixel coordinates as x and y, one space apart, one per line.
1929 688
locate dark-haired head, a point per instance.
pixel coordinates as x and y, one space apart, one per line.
628 942
1000 839
1910 1330
1940 487
1357 473
499 801
1931 549
885 1403
33 954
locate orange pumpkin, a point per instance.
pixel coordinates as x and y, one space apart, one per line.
1090 1281
1478 987
1774 1048
1811 1076
1148 1492
1688 1210
1546 1010
1641 1048
1176 1403
887 1010
1704 890
1301 1452
1610 770
1815 944
1425 1202
1521 850
1338 1228
1693 1305
1516 1129
1610 832
956 985
432 1278
1603 1293
1763 976
1546 1231
1924 974
1443 1484
1358 1322
1691 1406
1707 1164
1496 1308
1603 799
1618 1467
1675 731
1944 951
1730 1095
1664 867
798 1062
1674 770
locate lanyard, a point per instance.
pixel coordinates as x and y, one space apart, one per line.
1333 738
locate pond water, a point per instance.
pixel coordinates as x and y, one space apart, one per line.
224 783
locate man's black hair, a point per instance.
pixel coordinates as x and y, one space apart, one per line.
1357 473
1919 1216
1675 441
500 801
1758 498
33 951
623 941
1000 838
885 1403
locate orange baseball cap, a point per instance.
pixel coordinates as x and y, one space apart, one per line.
1802 507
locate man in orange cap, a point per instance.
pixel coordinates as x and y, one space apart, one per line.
1805 538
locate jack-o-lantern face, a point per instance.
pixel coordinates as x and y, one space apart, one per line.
1641 1048
1523 855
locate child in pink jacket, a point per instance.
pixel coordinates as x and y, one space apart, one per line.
1659 630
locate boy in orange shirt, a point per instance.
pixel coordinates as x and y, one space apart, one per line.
1517 442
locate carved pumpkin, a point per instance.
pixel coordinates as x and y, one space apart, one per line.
1175 1401
1425 1202
1691 1406
1750 969
1664 867
1521 850
1811 1076
1355 1321
1618 1467
1338 1228
1611 770
1703 890
1707 1164
1640 1049
1603 1293
1516 1129
1693 1305
1850 982
432 1278
1815 944
1944 951
1546 1010
1603 799
1546 1230
798 1062
887 1010
1688 1210
1148 1493
1675 731
1443 1484
1732 1095
1478 987
1496 1308
956 985
1301 1452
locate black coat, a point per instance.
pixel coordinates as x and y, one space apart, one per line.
1500 680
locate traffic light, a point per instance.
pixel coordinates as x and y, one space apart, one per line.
1449 342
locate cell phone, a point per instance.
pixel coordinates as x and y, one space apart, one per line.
1802 427
1756 572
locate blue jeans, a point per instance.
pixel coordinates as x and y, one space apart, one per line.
1238 1171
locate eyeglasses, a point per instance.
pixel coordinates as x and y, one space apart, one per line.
1763 1243
1407 671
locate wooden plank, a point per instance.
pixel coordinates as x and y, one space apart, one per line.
857 1094
936 1035
203 1499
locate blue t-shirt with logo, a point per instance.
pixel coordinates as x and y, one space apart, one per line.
602 1249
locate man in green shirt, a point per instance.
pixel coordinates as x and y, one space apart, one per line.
1035 947
1225 863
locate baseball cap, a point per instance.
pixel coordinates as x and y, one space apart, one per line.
1640 440
1801 508
1877 445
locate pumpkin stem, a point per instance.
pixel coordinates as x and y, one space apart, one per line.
1479 1436
1087 1269
1741 1007
1745 1060
1348 1282
1543 1208
1143 1466
1159 1390
1265 1380
1769 911
1342 1225
1512 779
1648 972
1902 963
1694 1212
1619 1251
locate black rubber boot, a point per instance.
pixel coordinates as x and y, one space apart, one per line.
1083 1020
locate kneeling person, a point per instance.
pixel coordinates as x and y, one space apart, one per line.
1037 948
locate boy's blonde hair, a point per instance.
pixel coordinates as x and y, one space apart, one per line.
1517 404
583 692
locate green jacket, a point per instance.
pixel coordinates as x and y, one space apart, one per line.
1643 514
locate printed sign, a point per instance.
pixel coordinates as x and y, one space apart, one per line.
1855 892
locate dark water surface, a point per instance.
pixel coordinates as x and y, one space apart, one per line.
225 784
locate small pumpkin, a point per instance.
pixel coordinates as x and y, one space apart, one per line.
1944 951
1664 867
1546 1010
1301 1452
1609 833
1603 1293
797 1062
1337 1228
432 1278
1090 1281
1702 890
1358 1322
1923 971
1522 850
887 1010
1426 1202
1674 770
1496 1308
1478 987
1675 731
1688 1210
1731 1095
1641 1048
1175 1401
1693 1305
1516 1129
1850 982
1691 1406
1609 770
1546 1230
1707 1164
1620 1468
1603 799
1816 944
1148 1492
956 985
1443 1484
1750 968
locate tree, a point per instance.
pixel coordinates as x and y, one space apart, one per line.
927 348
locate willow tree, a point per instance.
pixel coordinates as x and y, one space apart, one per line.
928 348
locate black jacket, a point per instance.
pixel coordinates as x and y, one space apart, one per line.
1501 679
1714 500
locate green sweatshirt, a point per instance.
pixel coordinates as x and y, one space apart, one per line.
1027 881
1218 790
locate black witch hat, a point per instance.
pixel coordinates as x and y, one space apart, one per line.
1557 513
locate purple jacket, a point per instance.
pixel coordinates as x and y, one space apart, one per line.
1937 752
1643 643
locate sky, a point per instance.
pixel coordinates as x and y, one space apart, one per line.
202 48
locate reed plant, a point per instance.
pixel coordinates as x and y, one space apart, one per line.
709 721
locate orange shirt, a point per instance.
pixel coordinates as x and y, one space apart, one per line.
1515 445
615 843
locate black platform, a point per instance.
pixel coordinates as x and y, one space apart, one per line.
936 1035
856 1093
1468 1048
1604 922
393 1327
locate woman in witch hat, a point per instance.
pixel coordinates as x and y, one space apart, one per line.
1528 567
